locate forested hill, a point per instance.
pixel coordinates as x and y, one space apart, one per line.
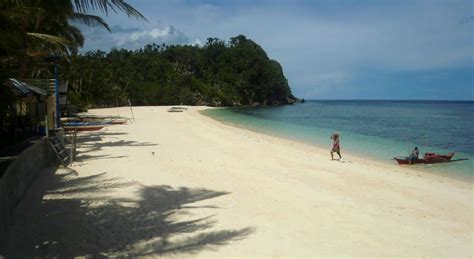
219 73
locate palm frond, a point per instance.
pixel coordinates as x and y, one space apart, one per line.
89 20
52 39
75 35
103 6
127 9
82 6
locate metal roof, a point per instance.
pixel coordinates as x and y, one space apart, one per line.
23 89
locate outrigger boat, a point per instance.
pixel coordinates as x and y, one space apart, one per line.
85 126
112 119
105 120
86 123
428 158
119 121
177 109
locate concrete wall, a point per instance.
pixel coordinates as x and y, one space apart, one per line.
17 178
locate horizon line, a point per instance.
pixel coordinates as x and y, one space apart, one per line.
431 100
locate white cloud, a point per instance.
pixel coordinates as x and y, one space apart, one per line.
198 42
157 32
132 37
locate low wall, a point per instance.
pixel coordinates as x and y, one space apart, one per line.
17 178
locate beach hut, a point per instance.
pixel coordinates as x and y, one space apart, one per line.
25 114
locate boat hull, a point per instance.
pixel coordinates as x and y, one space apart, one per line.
429 158
116 122
84 128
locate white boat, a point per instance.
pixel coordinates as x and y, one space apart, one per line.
177 109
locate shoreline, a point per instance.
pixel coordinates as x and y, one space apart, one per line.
186 185
359 158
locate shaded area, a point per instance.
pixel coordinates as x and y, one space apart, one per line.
94 141
83 157
103 139
9 153
65 216
97 136
118 143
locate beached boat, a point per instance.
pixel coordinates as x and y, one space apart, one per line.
177 109
119 121
87 123
84 128
429 158
97 117
104 120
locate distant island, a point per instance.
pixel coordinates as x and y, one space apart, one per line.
220 73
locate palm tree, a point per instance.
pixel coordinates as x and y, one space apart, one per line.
32 29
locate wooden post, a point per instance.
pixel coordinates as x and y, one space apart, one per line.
130 104
46 127
75 145
72 152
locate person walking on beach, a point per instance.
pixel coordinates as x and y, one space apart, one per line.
335 146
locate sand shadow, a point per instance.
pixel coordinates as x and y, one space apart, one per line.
119 143
83 157
75 216
89 143
97 136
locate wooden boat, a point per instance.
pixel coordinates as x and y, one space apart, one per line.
111 120
96 117
118 121
69 119
176 109
87 123
429 158
84 127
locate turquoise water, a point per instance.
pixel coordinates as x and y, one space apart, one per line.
374 129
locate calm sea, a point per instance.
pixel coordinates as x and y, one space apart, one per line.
375 129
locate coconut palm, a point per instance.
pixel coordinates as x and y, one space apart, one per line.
31 29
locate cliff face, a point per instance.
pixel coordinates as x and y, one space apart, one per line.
219 73
255 79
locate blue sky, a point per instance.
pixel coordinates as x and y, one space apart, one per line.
337 49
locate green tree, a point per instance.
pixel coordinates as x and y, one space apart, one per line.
32 29
219 74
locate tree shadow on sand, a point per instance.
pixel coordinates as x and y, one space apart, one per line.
92 142
75 216
84 157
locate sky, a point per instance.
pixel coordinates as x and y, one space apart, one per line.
333 49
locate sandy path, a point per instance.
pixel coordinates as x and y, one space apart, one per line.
180 184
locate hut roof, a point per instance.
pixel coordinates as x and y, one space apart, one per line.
20 88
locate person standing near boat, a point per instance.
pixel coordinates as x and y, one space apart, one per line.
415 153
336 148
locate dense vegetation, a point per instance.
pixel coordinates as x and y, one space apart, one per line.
218 74
33 31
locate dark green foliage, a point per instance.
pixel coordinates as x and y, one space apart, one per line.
32 30
217 74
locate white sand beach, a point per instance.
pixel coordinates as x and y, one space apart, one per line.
182 184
